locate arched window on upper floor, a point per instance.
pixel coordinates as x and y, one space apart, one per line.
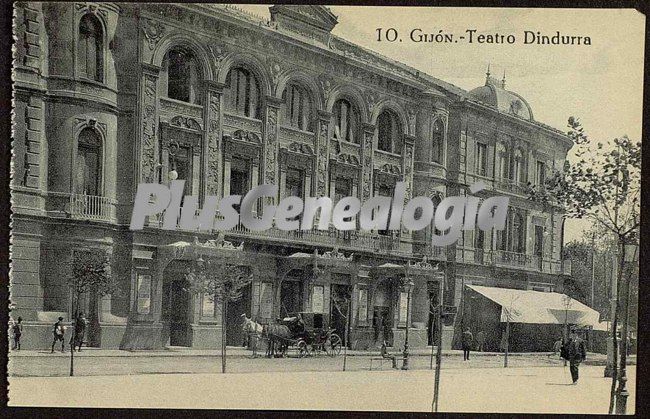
90 48
438 142
88 168
180 76
518 234
518 167
346 121
297 108
389 132
242 93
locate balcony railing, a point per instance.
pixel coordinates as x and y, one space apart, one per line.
511 186
513 259
89 207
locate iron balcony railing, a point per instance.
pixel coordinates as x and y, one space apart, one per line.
90 207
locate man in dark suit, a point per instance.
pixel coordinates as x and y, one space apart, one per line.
574 351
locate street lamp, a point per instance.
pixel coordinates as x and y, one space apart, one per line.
405 364
630 256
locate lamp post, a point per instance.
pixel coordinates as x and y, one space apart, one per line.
630 254
611 350
405 364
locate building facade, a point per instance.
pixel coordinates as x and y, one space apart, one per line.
109 95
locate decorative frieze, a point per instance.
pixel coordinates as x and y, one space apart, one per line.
322 153
214 143
271 145
149 121
367 157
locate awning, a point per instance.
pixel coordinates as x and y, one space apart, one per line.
537 307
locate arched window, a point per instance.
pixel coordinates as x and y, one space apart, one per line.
90 48
297 108
346 121
89 163
180 75
242 93
389 132
438 139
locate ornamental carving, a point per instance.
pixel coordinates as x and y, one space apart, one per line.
423 264
347 159
366 177
247 136
408 171
270 152
411 112
321 179
371 99
153 31
275 70
218 54
334 254
148 163
390 169
213 144
300 148
327 84
185 122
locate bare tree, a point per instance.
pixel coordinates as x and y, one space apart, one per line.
90 274
223 283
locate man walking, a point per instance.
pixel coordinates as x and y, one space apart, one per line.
467 343
17 330
79 332
575 352
58 332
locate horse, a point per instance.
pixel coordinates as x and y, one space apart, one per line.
250 327
278 335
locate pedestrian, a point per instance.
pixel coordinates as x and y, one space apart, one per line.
387 355
79 332
557 348
17 330
467 343
58 332
574 351
480 341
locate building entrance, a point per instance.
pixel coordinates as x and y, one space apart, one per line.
433 315
290 298
339 309
234 333
176 310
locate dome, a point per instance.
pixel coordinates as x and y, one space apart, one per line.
494 94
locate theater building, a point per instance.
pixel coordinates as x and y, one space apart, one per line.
109 95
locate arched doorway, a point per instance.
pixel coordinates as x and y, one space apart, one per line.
234 332
382 317
177 313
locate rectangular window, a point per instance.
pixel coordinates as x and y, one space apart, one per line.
481 159
207 306
317 297
403 306
363 305
342 189
144 294
541 173
294 183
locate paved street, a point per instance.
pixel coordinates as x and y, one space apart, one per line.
540 389
108 362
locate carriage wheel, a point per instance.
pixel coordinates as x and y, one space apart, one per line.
333 345
303 349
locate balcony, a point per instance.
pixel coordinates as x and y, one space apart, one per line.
89 207
517 260
511 186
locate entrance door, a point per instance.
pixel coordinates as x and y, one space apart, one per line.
539 242
234 333
383 325
339 309
179 314
290 298
433 316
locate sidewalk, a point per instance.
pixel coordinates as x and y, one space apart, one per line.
238 352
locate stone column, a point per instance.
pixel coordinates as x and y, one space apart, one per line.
320 181
269 173
367 161
212 146
148 122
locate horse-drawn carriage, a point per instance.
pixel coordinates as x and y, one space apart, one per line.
307 333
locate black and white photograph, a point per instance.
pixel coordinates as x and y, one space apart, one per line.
325 207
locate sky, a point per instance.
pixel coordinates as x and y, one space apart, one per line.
601 83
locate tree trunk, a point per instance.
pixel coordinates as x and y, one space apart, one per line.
75 308
619 275
505 359
224 312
